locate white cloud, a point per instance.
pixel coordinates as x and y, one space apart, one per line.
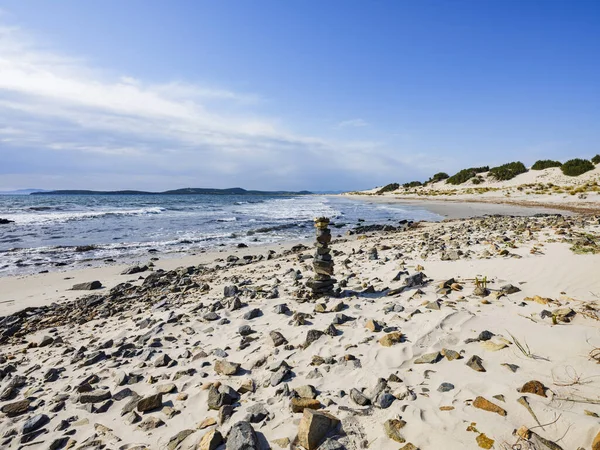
353 123
60 113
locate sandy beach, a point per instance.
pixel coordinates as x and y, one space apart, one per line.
469 333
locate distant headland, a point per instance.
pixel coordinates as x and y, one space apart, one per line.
184 191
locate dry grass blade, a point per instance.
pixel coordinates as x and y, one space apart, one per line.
526 350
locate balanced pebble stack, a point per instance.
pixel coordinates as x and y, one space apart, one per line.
322 283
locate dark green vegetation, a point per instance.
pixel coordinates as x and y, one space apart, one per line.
508 171
466 175
412 184
576 167
185 191
388 188
545 164
596 159
438 177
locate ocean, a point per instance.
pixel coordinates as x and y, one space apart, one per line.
55 232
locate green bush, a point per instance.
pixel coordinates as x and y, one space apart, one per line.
476 180
388 188
576 167
439 177
545 164
466 175
596 159
412 184
508 171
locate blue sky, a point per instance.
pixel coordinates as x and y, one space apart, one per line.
148 94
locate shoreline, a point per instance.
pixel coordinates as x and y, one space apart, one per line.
472 207
36 289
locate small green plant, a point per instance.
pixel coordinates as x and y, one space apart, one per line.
596 159
576 167
545 164
388 188
508 171
476 180
481 283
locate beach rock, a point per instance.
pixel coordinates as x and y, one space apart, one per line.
384 400
242 437
245 330
134 269
252 314
312 336
450 355
429 358
359 398
149 403
445 387
89 286
476 363
96 396
512 367
306 391
230 291
223 367
314 427
151 423
373 325
534 387
210 441
298 404
596 443
279 375
163 360
217 399
486 405
508 289
178 438
35 423
391 338
392 429
16 408
6 221
277 338
225 412
257 413
484 442
415 280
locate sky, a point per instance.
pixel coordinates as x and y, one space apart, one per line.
295 94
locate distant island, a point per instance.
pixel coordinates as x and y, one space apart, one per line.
184 191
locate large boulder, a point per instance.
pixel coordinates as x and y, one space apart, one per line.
314 427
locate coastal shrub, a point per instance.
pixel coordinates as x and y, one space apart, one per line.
439 177
508 171
388 188
466 175
412 184
596 159
545 164
476 180
576 167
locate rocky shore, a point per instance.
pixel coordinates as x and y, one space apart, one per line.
478 333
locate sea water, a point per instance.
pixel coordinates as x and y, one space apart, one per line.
70 231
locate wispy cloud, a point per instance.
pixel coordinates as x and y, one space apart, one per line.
63 119
353 123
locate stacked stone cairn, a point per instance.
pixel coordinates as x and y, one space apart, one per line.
322 283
